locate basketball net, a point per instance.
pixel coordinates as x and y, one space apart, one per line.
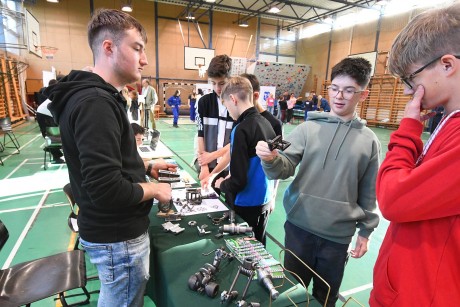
47 51
201 70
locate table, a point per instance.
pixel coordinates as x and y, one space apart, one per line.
174 258
161 151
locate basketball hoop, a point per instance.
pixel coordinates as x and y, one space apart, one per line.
47 51
201 70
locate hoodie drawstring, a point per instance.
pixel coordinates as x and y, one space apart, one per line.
343 140
332 140
330 143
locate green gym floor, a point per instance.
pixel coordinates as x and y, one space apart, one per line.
35 210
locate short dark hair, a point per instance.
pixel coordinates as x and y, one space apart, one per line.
254 81
137 129
52 81
220 66
358 69
111 24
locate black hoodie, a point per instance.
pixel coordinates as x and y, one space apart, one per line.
101 155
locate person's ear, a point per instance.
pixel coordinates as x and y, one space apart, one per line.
233 98
449 63
256 96
108 46
363 95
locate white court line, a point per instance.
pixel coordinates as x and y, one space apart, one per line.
33 207
20 148
357 289
28 195
25 231
17 167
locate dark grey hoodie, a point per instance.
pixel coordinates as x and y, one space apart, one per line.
333 192
101 155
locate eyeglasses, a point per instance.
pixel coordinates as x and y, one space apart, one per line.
407 80
347 93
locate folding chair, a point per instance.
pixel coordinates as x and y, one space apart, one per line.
37 279
7 130
72 219
52 142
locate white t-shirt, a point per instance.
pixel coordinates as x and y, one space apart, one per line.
222 124
43 108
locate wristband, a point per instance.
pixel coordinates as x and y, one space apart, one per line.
149 168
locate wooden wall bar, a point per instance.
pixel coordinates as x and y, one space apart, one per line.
10 99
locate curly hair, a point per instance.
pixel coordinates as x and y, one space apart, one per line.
357 68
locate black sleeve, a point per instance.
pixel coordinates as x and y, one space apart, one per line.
97 126
239 165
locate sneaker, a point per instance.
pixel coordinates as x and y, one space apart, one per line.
58 161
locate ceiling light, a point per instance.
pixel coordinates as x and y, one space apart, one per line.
53 1
190 16
243 24
127 7
274 10
210 1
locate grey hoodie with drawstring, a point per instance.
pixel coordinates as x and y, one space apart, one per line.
333 192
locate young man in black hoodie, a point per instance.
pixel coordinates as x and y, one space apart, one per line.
106 173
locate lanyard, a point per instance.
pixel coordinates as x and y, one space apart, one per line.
434 135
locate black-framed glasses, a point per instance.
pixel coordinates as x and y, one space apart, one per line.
347 93
406 80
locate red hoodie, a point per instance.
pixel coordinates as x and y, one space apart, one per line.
419 260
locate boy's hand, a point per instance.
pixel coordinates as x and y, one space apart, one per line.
205 158
414 106
264 152
218 182
160 164
362 245
162 192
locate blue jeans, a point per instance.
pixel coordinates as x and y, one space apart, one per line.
270 109
123 270
325 257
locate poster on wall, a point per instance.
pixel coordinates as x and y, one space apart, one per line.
265 92
238 66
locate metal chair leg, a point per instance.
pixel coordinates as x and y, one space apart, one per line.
45 163
13 139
